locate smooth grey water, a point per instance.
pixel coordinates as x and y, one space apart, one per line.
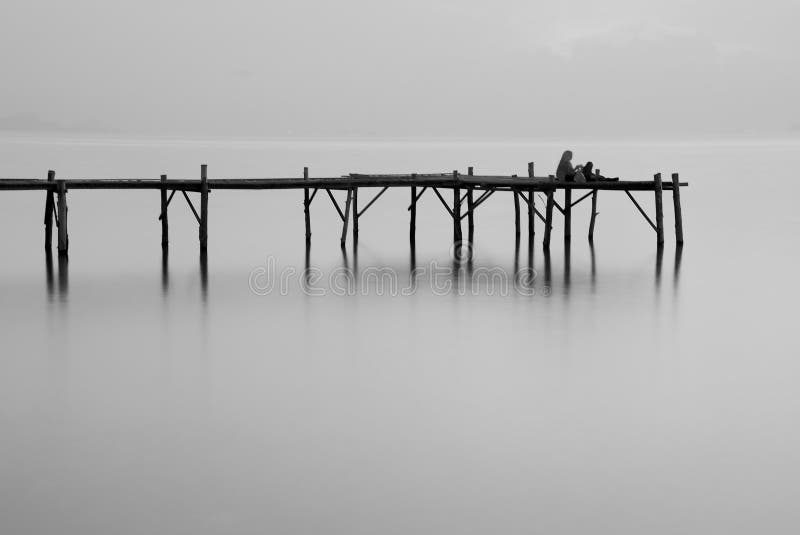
630 394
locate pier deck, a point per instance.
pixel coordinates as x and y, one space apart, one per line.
522 188
338 183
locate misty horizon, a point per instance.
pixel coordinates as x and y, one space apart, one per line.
419 69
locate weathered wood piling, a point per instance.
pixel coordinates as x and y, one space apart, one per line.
516 210
594 215
659 210
355 215
676 200
164 215
203 207
456 210
346 216
63 235
470 208
49 208
548 218
567 214
307 206
412 225
531 204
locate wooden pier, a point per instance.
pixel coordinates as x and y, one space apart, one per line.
476 190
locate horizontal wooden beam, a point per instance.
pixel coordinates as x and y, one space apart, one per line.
536 184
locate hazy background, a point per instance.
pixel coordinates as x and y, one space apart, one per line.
643 393
621 68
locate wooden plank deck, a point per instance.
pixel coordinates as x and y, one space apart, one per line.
342 182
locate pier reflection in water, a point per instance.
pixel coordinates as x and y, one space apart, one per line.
471 272
62 288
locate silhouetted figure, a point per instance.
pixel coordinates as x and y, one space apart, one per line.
580 173
565 170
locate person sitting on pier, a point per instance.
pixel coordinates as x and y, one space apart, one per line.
565 171
580 173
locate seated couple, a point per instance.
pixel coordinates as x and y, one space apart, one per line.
580 173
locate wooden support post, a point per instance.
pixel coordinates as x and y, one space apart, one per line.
412 227
307 206
594 215
63 235
49 208
516 213
676 201
659 210
548 219
355 215
346 216
567 214
470 214
456 210
203 207
531 206
164 218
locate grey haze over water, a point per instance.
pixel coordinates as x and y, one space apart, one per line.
574 69
644 393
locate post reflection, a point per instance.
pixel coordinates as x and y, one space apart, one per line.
307 275
677 268
567 266
164 271
659 263
348 279
455 273
63 277
345 260
412 272
49 274
355 255
548 272
204 275
530 251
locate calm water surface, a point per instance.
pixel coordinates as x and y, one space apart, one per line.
633 393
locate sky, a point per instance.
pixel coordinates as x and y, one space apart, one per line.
417 68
